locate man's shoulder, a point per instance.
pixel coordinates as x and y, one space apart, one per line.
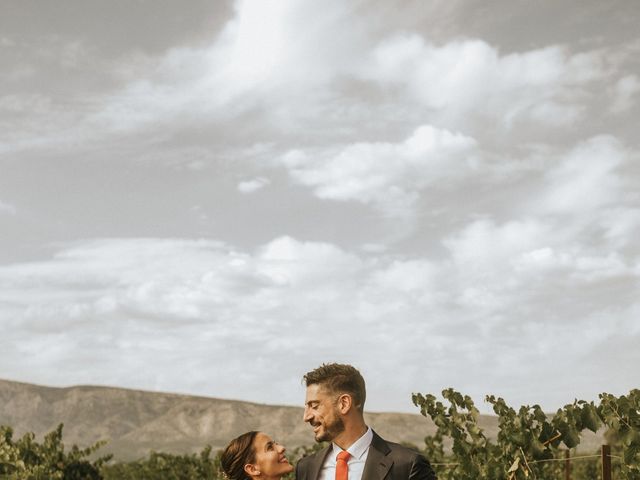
412 464
310 458
395 448
401 451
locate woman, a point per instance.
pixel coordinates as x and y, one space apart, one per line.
254 455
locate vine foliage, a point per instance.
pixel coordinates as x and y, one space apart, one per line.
529 444
528 441
26 459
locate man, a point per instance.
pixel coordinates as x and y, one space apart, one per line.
334 407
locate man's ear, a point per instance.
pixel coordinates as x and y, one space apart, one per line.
251 470
345 403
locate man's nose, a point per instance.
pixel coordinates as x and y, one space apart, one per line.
306 415
281 448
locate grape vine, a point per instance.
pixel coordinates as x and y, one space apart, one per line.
529 441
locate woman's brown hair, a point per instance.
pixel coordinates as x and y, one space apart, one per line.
238 453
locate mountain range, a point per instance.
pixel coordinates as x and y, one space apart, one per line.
135 422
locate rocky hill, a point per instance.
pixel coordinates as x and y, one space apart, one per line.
136 422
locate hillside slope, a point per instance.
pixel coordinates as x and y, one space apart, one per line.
137 422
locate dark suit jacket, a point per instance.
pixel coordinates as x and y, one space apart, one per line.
385 461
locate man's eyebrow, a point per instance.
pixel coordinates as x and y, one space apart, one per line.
268 444
311 402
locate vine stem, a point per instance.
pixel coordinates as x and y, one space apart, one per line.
615 411
526 464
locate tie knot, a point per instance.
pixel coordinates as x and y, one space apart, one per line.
344 456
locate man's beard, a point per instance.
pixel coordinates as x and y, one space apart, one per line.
331 430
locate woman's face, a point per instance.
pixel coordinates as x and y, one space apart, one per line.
270 460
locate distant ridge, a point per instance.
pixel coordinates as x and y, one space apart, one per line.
136 422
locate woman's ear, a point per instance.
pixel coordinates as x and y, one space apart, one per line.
251 470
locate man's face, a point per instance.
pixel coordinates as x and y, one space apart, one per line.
321 411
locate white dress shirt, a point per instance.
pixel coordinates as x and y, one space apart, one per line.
359 452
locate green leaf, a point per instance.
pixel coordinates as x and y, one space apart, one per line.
590 418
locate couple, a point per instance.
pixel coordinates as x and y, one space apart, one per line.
334 407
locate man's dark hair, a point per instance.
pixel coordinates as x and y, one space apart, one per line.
339 378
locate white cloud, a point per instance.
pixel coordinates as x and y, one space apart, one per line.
621 226
174 282
585 179
260 58
330 80
253 185
624 93
287 261
483 253
407 276
118 303
580 266
467 79
513 246
526 266
484 246
259 40
387 175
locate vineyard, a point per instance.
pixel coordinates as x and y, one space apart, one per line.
530 444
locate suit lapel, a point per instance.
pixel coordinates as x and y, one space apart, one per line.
316 464
378 463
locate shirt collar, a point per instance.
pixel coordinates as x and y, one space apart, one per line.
359 447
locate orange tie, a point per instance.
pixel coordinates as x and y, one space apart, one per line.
342 469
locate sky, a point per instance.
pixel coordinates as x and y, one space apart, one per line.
214 198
